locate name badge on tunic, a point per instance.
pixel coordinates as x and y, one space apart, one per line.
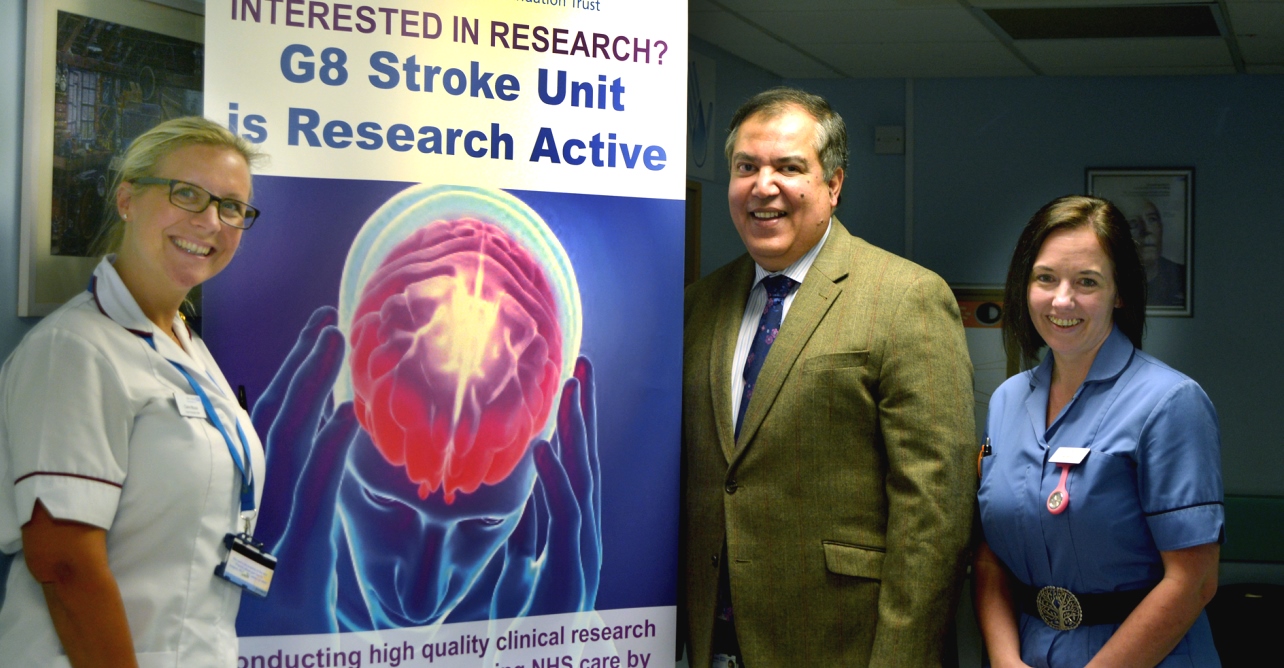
189 405
1070 456
1059 499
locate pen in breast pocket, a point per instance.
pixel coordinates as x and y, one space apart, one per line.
984 452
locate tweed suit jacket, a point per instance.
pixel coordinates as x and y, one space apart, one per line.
846 504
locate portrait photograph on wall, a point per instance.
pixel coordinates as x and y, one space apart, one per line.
1157 203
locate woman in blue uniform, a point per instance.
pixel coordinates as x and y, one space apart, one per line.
1101 492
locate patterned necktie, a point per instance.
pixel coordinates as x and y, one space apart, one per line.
778 287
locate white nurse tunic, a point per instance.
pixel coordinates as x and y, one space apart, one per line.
90 427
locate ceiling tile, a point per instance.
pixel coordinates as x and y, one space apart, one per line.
1259 29
1262 51
1199 20
939 59
874 26
939 38
747 42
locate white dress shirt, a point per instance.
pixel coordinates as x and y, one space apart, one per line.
753 314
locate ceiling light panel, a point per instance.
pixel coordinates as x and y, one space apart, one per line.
1107 22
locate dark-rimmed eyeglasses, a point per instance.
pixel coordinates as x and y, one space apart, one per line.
191 197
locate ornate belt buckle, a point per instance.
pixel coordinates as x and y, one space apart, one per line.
1059 609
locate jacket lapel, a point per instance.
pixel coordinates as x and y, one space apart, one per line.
815 297
726 328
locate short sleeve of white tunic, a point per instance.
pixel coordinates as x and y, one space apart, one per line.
67 421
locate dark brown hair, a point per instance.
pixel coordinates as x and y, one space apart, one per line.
1111 228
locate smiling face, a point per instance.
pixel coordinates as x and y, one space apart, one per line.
780 200
417 558
165 251
1072 294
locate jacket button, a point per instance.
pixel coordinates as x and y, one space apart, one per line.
731 486
715 561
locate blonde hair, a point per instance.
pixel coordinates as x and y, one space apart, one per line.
145 153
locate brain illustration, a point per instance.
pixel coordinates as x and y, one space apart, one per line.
456 354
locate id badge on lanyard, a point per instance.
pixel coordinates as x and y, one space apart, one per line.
248 564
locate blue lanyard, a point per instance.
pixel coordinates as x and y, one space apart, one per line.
242 463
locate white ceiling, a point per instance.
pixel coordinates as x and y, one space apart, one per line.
954 38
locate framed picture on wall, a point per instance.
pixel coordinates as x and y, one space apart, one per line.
98 74
1159 206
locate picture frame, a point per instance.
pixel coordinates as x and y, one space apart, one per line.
1159 205
117 70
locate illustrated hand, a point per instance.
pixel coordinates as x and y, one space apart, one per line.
306 450
553 559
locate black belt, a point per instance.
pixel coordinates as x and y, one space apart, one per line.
1064 610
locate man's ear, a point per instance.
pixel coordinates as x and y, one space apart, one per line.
835 184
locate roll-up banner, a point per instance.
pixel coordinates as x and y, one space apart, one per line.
458 325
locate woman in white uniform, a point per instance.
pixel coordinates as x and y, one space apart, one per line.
125 459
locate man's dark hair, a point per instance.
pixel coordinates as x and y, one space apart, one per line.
831 132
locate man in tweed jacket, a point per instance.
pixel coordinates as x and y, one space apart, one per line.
838 519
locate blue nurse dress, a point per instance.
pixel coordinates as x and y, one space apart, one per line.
1152 482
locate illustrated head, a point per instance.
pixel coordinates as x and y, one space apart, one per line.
456 355
462 316
417 557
